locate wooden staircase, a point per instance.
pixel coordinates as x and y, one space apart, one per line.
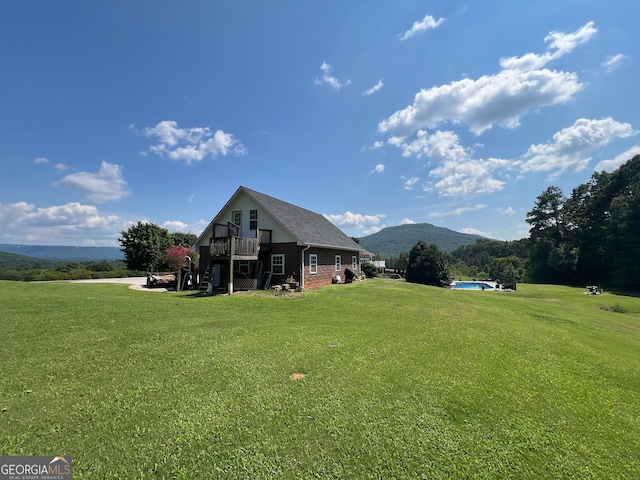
207 278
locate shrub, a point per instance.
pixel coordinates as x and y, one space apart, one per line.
369 270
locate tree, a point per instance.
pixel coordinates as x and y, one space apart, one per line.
546 218
427 265
591 236
402 262
369 270
184 239
623 225
585 217
145 246
509 270
177 260
552 255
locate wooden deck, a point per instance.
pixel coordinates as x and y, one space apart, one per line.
235 248
227 244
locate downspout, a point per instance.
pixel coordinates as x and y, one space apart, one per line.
302 271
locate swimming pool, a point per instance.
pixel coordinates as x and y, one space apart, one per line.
470 285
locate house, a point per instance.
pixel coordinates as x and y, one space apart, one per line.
367 257
256 241
381 265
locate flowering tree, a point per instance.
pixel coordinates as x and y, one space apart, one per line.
177 260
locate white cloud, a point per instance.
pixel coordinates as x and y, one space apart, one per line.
498 99
428 22
559 44
70 215
571 147
474 231
61 167
328 79
175 226
106 185
69 224
379 168
492 99
191 144
169 134
13 212
200 225
566 42
614 163
456 171
40 160
372 230
410 182
356 220
469 178
458 211
613 61
374 89
506 211
407 221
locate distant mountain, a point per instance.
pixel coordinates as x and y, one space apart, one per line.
13 261
391 241
64 253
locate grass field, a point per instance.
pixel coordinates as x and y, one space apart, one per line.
400 381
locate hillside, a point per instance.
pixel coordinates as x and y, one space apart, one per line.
64 253
391 241
19 263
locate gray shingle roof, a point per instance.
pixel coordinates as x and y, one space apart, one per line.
308 227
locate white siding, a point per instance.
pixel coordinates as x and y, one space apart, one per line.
265 221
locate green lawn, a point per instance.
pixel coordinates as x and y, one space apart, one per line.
400 381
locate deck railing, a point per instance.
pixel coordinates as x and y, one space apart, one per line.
227 242
237 246
229 230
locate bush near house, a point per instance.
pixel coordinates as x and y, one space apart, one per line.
369 270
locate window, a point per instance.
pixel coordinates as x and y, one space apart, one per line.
354 262
253 220
313 263
242 266
338 263
236 217
277 264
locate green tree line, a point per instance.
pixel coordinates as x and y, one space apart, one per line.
145 247
589 237
24 270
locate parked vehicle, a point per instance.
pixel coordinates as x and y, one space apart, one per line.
161 279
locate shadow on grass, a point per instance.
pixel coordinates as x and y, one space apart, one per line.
624 293
613 291
200 294
247 293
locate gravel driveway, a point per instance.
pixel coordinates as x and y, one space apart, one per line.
135 283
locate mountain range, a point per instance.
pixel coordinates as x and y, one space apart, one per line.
388 242
391 241
64 253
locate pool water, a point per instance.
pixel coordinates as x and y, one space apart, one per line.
471 286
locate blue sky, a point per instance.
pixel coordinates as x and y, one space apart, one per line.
376 114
